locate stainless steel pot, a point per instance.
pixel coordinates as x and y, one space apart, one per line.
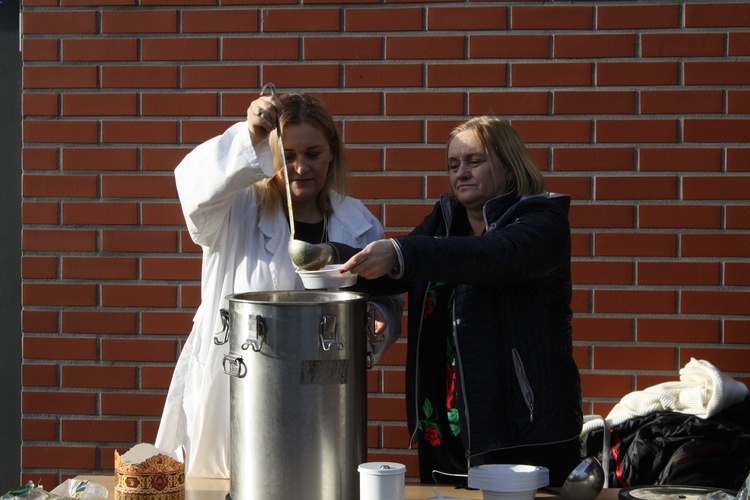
298 406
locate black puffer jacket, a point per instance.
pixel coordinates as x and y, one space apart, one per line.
512 318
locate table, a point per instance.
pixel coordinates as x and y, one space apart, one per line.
217 489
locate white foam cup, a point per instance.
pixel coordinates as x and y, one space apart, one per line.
381 481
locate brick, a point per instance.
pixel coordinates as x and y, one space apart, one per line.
53 348
38 267
58 240
99 268
394 381
579 188
340 48
719 131
713 245
382 131
59 457
602 216
39 213
56 77
162 159
581 300
635 244
415 159
128 186
99 322
135 21
64 22
114 240
717 73
638 188
554 74
466 75
466 18
678 273
605 386
682 45
263 49
39 158
60 131
218 21
737 274
714 302
69 403
439 130
677 330
161 214
634 358
602 273
138 296
363 187
508 103
717 14
38 375
193 104
109 377
681 101
132 404
302 76
379 19
99 158
725 360
383 75
558 130
100 213
674 159
300 20
444 103
139 350
196 131
636 73
636 16
59 186
40 50
406 215
351 102
90 50
98 431
679 216
187 245
738 102
552 17
726 187
737 217
624 131
99 104
423 48
38 429
135 77
397 436
736 331
600 103
156 377
593 46
738 160
604 329
179 49
509 46
149 429
739 44
157 323
39 321
142 131
607 159
40 104
385 408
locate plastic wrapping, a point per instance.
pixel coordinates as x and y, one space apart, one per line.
71 488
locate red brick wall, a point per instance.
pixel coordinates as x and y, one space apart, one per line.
639 110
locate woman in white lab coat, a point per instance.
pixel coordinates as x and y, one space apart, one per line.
231 189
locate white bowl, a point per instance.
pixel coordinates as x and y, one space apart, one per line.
326 278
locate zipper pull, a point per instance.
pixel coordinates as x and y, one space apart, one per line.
531 414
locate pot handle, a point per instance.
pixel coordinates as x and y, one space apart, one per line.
237 367
328 334
224 328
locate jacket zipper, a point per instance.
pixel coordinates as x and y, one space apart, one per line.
523 383
463 389
413 437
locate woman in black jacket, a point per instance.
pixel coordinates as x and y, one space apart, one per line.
490 372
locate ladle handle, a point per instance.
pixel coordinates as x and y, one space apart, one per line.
272 88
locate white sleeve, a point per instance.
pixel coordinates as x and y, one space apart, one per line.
210 177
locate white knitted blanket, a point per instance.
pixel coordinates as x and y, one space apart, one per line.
702 390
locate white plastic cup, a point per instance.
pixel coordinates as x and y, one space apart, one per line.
381 481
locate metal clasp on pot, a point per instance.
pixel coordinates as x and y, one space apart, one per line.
224 328
237 367
328 334
257 333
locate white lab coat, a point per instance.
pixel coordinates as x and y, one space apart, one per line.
242 252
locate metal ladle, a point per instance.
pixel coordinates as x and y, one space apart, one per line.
304 255
585 482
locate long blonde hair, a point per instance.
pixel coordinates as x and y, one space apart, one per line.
298 109
495 134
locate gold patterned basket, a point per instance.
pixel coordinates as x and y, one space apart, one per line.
159 477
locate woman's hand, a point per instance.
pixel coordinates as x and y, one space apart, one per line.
263 113
375 260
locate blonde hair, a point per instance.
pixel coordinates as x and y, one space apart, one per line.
495 134
298 109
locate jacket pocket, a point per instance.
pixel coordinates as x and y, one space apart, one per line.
523 383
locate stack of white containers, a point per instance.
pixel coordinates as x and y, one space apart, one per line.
508 481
